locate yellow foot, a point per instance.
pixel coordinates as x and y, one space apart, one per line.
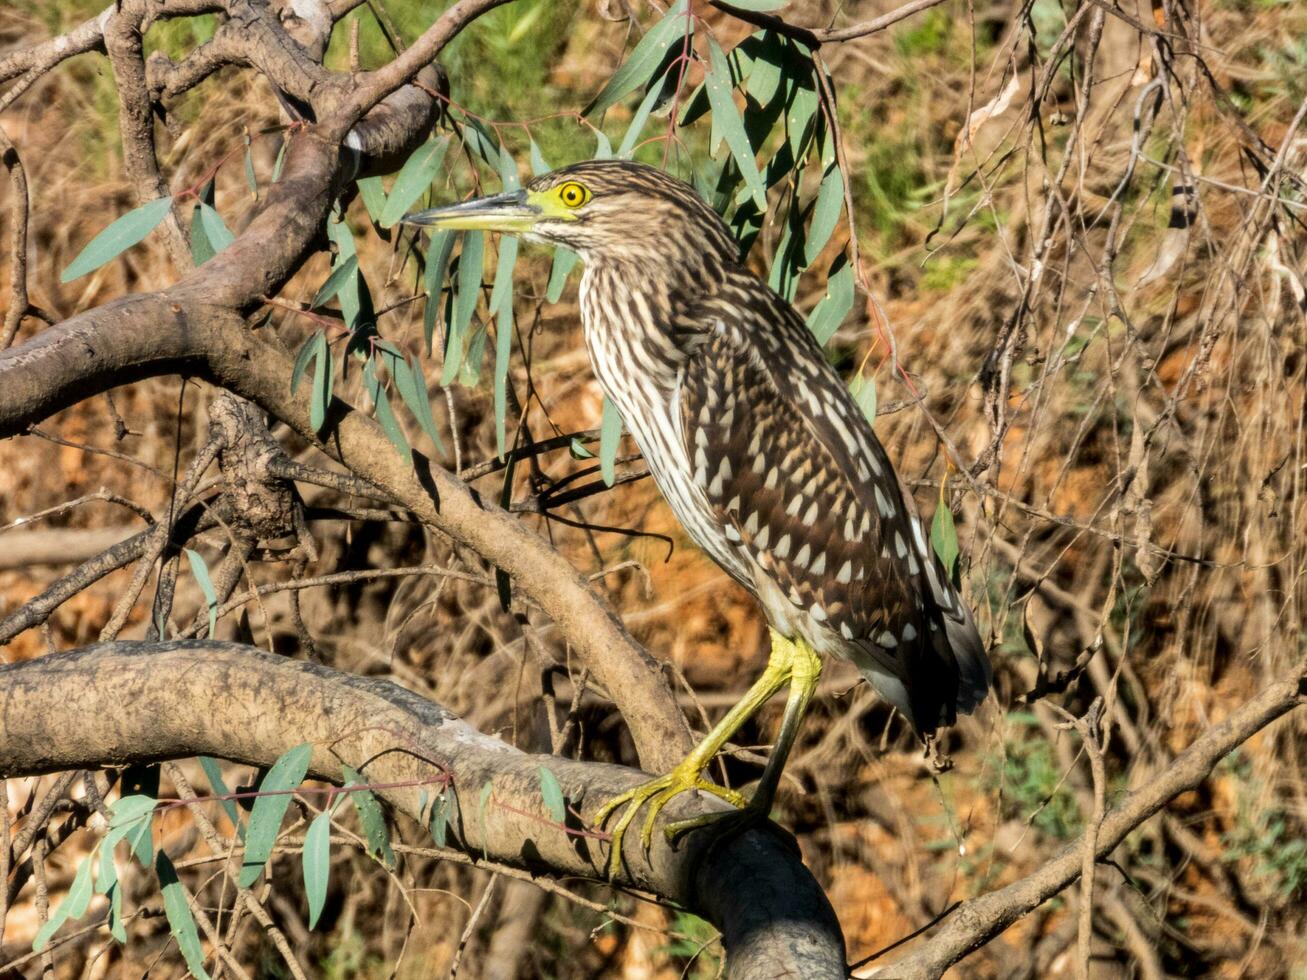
656 794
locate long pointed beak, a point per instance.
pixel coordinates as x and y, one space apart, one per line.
503 212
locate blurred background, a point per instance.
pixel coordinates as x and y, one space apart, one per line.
1095 291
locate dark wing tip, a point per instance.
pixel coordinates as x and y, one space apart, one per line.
975 673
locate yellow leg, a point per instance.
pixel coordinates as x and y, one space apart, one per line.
789 663
805 672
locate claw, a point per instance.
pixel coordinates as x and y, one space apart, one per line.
655 794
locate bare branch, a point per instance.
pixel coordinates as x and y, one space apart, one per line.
64 711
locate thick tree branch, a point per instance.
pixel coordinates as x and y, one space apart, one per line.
65 711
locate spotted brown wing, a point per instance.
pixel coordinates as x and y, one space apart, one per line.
804 489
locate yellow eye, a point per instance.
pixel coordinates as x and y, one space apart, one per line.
573 194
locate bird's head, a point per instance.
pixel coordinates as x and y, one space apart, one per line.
605 210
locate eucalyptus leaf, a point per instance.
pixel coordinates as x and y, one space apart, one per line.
440 248
324 370
215 229
412 387
830 312
414 178
726 118
127 231
373 192
465 301
265 819
181 923
644 59
944 536
316 858
825 214
501 304
863 389
565 261
638 122
385 414
213 773
370 816
538 164
72 907
201 573
343 272
610 437
552 793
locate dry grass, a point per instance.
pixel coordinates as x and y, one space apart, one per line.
1125 403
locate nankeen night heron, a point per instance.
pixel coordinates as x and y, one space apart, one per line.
761 451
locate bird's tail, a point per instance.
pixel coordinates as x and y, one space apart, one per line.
960 645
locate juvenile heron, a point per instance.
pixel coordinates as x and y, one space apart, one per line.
761 451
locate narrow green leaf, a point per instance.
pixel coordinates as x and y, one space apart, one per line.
552 793
343 239
603 146
538 164
826 318
863 389
280 162
201 573
341 274
825 214
117 238
108 876
480 142
639 120
610 437
644 59
944 536
324 370
213 773
251 181
726 116
508 170
439 250
72 907
440 818
565 261
385 414
373 192
180 921
201 248
465 301
501 304
412 386
265 819
215 229
577 448
302 360
371 817
316 858
414 178
131 819
116 927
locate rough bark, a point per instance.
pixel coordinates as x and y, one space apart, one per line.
122 703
